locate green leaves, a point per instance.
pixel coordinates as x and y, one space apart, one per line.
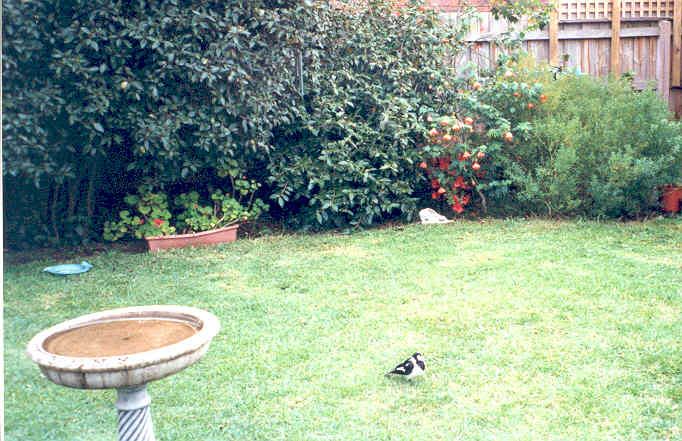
153 215
352 158
596 149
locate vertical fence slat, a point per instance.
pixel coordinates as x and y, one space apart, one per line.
615 37
677 41
663 60
554 34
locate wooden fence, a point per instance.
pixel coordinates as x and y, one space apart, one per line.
599 37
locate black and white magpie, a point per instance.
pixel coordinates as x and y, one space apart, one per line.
410 368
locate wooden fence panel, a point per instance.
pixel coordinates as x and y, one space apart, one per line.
600 37
646 46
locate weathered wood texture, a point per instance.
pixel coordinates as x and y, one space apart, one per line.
554 34
676 102
615 37
663 64
649 46
677 41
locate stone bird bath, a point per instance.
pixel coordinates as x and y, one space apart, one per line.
124 349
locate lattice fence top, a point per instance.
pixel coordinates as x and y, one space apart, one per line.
601 10
571 9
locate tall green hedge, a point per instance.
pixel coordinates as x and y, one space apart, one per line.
100 95
328 107
322 104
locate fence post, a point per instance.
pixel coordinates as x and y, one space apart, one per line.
663 60
615 37
677 41
554 34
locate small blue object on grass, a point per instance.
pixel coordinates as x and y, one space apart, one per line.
68 269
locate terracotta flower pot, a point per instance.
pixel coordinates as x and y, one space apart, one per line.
204 238
671 198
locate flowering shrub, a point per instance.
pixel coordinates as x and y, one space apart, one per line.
463 150
325 103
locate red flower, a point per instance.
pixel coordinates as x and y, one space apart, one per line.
158 222
456 206
435 183
459 183
465 199
444 163
434 195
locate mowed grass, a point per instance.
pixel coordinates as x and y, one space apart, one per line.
532 330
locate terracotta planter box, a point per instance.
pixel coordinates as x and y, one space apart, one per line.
211 237
672 196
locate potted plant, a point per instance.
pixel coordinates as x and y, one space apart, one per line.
190 222
672 195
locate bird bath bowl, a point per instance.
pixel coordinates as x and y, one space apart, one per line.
124 349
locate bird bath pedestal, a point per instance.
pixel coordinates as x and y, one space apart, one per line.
124 349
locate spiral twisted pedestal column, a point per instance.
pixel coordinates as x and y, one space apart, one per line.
134 415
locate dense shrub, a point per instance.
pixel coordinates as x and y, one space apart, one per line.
384 81
324 104
343 113
102 95
352 160
597 148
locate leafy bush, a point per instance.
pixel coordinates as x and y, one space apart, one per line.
464 149
597 148
164 92
323 103
352 160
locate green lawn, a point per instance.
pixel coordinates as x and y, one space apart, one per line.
532 330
